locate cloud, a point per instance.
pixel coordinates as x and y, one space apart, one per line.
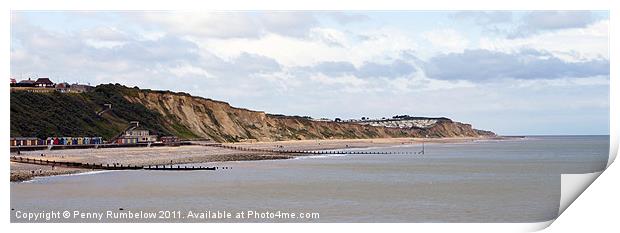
220 24
344 80
448 40
328 36
574 44
226 25
490 22
347 18
485 18
526 24
73 56
482 65
393 69
161 51
252 63
294 24
105 34
397 68
335 68
541 21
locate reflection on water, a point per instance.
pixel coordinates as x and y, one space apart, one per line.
488 181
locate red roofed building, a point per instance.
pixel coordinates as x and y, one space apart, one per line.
43 82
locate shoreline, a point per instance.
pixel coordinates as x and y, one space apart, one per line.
143 156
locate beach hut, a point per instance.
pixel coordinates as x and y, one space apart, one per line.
24 141
126 140
169 139
31 141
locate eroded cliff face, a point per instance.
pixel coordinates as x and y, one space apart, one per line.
221 122
186 116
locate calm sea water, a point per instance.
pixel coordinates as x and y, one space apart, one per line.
486 181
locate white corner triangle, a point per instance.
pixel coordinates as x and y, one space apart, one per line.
573 185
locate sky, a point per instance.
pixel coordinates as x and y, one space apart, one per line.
512 72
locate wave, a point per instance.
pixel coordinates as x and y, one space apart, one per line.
43 178
319 156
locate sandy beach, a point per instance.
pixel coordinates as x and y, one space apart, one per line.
142 156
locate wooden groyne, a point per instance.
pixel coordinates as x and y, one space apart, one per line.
101 166
318 152
93 146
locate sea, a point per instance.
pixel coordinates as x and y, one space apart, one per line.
512 180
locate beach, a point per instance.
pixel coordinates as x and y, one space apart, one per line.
144 156
511 180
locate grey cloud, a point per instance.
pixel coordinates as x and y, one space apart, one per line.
42 43
69 55
166 50
243 65
396 68
332 68
481 65
35 39
252 63
538 21
530 23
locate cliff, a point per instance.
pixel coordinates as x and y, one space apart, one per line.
186 116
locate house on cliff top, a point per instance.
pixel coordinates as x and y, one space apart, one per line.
44 82
25 83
